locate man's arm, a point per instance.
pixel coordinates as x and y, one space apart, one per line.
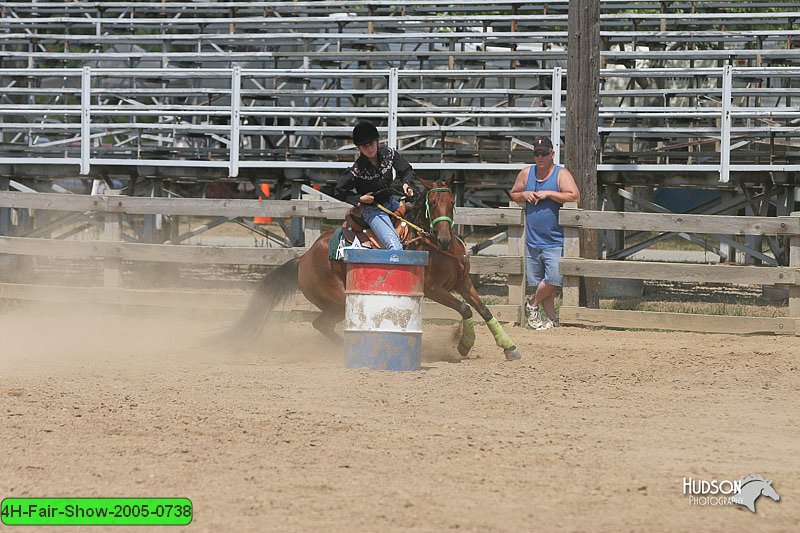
567 190
518 192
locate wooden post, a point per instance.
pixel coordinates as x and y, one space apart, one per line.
725 248
112 267
459 191
312 227
516 248
583 141
296 225
5 212
784 205
794 290
613 240
151 234
572 250
754 242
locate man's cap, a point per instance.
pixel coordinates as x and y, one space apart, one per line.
364 133
543 143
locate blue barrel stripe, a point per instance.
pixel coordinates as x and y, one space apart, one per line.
381 350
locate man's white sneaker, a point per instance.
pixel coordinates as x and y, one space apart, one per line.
547 324
534 320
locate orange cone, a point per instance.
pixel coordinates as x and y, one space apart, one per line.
263 195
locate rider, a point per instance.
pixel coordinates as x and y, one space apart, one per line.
372 178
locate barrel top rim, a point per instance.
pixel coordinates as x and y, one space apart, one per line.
386 257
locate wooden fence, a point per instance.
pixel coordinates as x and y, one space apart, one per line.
112 250
573 268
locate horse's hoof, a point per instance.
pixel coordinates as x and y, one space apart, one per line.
463 350
512 354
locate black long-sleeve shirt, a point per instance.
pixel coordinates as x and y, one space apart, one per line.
365 178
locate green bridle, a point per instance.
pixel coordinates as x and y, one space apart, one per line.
428 206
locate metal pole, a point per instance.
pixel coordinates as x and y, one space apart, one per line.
555 120
725 133
233 147
393 102
86 119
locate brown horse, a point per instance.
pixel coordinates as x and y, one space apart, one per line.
322 280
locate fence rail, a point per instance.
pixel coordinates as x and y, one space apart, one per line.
573 268
112 250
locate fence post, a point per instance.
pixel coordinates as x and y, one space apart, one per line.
5 212
794 290
516 248
570 296
112 266
312 227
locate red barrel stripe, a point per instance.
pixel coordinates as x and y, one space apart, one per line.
385 279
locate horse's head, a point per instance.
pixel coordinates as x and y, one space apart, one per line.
751 488
768 491
439 202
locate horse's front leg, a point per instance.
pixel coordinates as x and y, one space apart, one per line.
443 297
468 292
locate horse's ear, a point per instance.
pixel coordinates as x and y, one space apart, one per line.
449 181
427 184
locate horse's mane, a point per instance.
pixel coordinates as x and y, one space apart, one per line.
417 215
748 479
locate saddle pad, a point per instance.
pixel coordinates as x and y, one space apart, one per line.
338 244
333 243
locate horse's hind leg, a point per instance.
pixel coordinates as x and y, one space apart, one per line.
443 297
501 338
326 322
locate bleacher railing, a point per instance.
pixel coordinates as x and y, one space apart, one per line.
729 119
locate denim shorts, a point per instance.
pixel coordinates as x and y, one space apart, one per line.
542 264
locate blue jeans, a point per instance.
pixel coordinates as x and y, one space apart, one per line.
381 224
542 264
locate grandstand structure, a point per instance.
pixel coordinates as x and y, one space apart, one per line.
694 93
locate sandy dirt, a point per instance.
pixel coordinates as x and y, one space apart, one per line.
592 431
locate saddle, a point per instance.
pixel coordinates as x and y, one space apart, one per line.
355 228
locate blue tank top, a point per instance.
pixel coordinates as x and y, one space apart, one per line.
541 220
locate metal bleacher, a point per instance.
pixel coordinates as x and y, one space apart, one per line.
692 92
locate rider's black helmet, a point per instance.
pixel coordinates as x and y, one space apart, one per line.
364 133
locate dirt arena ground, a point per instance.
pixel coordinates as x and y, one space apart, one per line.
592 431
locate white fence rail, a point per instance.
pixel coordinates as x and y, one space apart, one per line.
722 120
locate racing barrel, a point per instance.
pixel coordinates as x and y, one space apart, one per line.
383 310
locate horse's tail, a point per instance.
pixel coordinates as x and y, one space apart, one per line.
274 288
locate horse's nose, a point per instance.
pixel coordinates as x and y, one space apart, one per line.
444 242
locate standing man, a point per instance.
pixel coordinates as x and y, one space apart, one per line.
544 187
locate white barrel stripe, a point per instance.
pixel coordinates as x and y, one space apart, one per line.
383 312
